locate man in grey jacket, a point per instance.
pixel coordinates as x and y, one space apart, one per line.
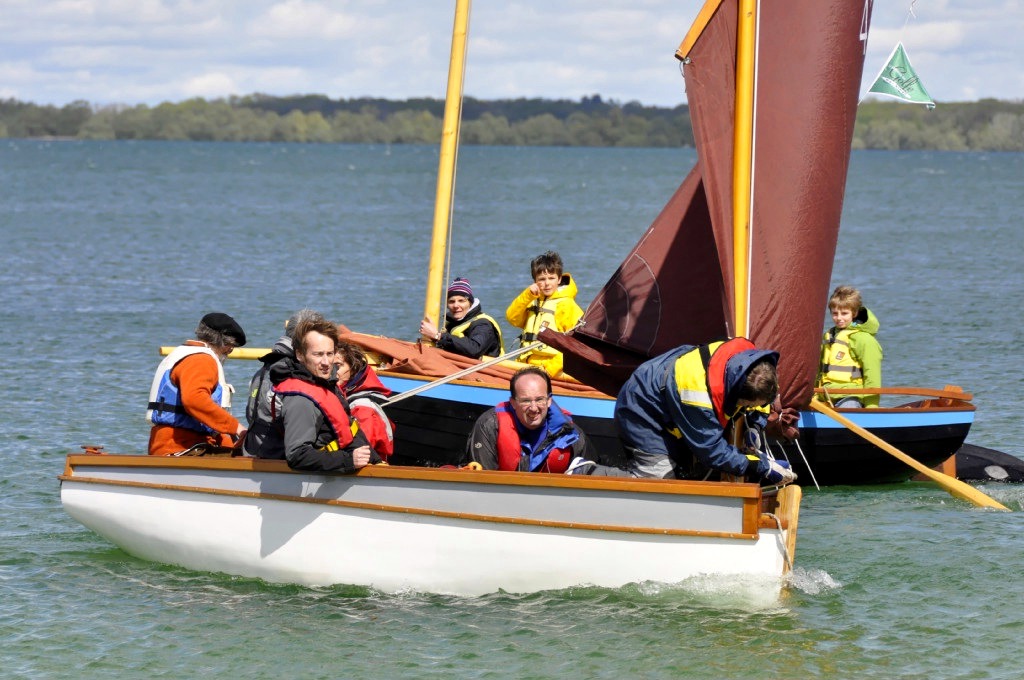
311 426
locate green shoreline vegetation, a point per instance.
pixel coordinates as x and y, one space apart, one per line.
984 125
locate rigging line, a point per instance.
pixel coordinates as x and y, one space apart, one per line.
807 464
785 549
865 24
455 173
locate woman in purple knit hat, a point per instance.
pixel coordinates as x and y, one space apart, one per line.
467 330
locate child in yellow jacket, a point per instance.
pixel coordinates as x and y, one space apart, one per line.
549 302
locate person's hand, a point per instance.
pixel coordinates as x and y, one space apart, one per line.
428 330
534 290
782 422
779 473
361 457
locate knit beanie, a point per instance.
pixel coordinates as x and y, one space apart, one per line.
461 287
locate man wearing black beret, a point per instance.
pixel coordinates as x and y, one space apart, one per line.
189 398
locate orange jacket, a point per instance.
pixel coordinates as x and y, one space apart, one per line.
196 377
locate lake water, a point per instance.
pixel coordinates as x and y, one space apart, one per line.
113 249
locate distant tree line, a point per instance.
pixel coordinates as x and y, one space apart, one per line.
988 124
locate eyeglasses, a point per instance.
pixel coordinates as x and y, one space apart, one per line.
539 401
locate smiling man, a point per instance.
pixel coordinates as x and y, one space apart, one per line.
312 427
529 432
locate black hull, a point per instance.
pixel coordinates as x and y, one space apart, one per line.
842 457
980 464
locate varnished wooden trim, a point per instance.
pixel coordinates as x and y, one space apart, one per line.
948 393
742 491
789 516
420 511
768 522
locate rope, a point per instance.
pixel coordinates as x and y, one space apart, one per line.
804 458
782 539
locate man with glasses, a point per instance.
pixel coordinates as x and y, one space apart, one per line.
190 398
312 427
529 432
677 412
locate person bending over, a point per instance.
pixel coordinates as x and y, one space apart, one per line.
677 412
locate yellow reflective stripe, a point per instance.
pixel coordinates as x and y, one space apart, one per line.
691 378
332 446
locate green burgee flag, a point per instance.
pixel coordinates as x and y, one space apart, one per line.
898 79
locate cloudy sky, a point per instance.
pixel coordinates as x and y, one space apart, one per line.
150 51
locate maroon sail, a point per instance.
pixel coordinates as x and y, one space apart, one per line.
677 286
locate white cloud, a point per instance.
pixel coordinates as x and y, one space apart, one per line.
210 86
149 51
300 19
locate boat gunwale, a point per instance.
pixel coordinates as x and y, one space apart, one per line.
764 520
741 490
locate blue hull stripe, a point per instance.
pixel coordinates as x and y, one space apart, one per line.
595 407
875 421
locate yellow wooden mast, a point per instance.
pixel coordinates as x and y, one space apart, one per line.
446 165
742 165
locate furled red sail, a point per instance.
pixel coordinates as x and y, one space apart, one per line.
677 286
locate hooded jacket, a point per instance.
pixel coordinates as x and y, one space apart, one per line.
558 312
367 396
852 357
672 406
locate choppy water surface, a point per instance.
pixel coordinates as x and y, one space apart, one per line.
112 249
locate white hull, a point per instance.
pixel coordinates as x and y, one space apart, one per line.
440 531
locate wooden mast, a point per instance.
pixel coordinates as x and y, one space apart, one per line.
742 167
446 165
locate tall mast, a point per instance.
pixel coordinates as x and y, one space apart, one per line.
742 166
446 165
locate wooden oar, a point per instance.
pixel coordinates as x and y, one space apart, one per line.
464 372
950 484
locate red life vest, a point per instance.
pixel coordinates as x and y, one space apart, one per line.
714 367
329 404
510 449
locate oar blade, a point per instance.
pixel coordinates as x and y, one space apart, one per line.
953 486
